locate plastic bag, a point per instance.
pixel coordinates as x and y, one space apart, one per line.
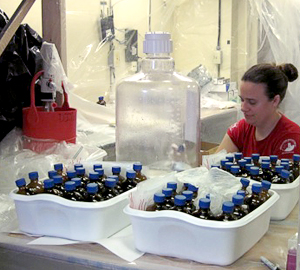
143 195
18 63
201 75
219 184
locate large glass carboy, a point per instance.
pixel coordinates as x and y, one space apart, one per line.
158 111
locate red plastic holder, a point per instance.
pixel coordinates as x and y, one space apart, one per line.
42 129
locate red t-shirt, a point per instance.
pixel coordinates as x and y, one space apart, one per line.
283 141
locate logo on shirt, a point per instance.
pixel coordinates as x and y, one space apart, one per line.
288 145
233 126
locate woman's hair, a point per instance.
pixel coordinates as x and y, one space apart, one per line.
275 77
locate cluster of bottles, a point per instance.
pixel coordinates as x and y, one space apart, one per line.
76 185
242 203
262 168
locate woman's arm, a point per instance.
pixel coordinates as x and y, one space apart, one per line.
228 145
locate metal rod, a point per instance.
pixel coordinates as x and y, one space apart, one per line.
11 27
149 15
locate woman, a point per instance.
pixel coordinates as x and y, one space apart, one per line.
264 130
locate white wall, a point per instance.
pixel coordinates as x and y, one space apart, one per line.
196 35
192 23
33 17
87 57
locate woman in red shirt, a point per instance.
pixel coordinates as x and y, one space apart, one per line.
264 130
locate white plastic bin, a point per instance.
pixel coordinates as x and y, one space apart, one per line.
176 234
289 196
46 214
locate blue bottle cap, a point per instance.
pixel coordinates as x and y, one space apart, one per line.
193 188
245 182
230 158
273 158
110 182
51 174
228 165
286 166
241 192
248 160
179 200
71 174
130 174
116 169
33 175
265 184
242 162
159 197
167 191
186 185
77 181
188 194
100 171
255 156
48 183
94 175
278 168
70 186
238 155
181 148
80 171
204 203
215 166
100 98
284 173
248 166
57 179
265 159
137 166
256 188
115 177
223 161
238 199
235 169
78 165
58 166
97 166
296 157
92 188
254 170
20 182
172 185
285 160
265 165
227 207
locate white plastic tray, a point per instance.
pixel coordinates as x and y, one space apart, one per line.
45 214
289 196
177 234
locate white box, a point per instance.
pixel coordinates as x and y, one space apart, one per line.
289 196
176 234
51 215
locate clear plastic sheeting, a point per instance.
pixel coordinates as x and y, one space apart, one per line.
224 38
276 44
17 162
8 217
201 75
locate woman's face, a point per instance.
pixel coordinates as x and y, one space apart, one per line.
255 105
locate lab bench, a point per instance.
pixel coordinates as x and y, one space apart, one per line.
16 254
